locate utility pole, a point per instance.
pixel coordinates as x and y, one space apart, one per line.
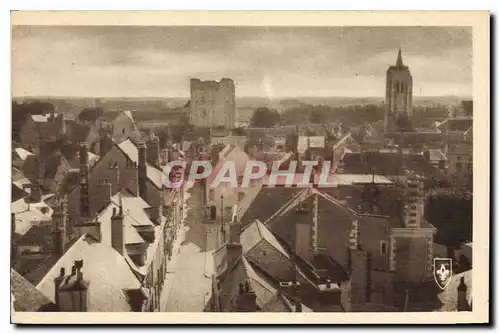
222 218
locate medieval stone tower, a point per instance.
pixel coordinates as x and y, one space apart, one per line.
213 103
398 95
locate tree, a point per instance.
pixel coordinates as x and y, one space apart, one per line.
318 116
265 118
21 111
450 211
90 114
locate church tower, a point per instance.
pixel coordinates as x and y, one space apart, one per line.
398 96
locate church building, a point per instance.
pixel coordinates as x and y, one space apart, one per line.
398 96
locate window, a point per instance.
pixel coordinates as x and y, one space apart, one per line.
123 131
211 195
241 195
383 247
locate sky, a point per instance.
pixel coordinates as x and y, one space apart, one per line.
263 61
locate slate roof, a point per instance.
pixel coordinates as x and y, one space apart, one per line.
265 203
386 163
435 154
108 272
28 214
70 181
306 142
154 174
51 165
135 219
461 124
78 132
265 292
36 234
26 297
17 193
21 153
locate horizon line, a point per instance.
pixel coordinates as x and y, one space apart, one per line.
237 97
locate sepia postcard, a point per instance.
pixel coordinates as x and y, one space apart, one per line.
175 167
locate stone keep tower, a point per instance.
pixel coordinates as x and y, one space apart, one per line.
213 103
398 94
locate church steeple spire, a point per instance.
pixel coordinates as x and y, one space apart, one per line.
399 62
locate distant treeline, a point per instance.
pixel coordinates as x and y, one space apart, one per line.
350 116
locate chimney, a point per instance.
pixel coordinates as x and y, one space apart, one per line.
13 248
59 227
153 149
117 240
247 299
142 170
57 283
462 303
12 223
73 291
234 232
215 155
102 196
131 177
427 155
84 180
234 249
105 144
298 305
35 193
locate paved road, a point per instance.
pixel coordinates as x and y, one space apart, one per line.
188 280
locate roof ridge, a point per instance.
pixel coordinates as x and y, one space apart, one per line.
285 206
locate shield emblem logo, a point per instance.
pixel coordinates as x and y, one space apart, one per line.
442 272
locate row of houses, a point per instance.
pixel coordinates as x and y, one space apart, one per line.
109 211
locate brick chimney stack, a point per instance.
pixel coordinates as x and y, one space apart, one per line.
35 193
247 299
105 144
153 149
13 248
131 177
234 232
57 283
59 227
102 196
117 240
73 291
142 170
84 181
215 155
233 246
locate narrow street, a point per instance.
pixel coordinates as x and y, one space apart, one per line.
188 280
